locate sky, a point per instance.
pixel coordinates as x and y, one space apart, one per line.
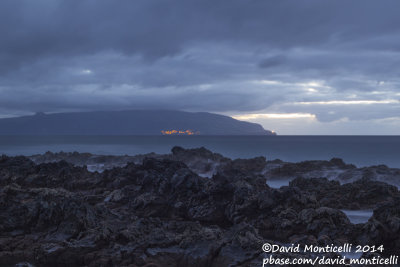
295 67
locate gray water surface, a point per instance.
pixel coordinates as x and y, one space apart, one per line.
358 216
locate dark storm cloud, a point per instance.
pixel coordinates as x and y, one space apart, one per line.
198 55
157 28
272 61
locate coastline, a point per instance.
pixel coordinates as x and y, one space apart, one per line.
362 151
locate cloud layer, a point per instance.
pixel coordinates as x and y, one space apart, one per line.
336 60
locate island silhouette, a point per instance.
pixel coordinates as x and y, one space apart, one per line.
129 122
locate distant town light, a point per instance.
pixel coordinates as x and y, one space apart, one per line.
179 132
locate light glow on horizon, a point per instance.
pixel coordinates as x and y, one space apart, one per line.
274 116
349 102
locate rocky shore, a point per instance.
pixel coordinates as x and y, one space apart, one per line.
192 207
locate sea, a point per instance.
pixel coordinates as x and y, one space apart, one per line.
358 150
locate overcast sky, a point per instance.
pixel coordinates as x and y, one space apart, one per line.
296 67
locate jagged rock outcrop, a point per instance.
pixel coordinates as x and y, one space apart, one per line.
361 194
206 163
383 228
160 212
334 169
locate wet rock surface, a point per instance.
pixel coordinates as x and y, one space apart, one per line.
359 195
156 210
206 163
334 169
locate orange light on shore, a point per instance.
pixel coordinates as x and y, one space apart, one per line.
178 132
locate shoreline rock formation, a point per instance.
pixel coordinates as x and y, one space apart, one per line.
156 210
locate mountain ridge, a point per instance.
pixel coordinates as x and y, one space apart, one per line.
129 122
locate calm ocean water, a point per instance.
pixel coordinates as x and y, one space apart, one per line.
359 150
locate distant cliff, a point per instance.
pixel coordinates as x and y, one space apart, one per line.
132 122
